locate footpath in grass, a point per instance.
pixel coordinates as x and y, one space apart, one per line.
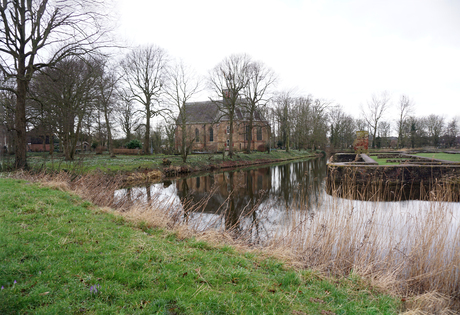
62 255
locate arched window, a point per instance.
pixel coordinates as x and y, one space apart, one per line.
197 135
259 133
211 135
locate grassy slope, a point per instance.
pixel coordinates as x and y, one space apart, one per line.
55 248
86 163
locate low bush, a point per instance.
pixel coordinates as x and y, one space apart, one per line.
134 144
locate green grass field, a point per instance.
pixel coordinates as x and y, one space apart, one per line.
62 255
440 156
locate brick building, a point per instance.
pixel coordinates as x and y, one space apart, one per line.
208 129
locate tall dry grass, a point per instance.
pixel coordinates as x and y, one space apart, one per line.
413 253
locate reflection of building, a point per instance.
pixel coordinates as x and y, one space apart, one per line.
208 129
242 185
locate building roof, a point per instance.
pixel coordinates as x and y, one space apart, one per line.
208 112
201 112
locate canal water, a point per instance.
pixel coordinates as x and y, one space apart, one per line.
260 202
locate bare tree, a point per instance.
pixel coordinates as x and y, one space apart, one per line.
68 93
301 121
7 106
435 127
319 124
452 131
375 110
417 131
284 102
170 131
183 84
384 129
106 85
361 125
342 128
145 74
260 80
126 115
405 109
228 79
29 29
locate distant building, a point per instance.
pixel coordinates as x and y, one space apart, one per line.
38 139
208 129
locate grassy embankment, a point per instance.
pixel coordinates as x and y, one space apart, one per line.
88 163
62 255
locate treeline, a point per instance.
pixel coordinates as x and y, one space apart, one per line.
89 99
81 94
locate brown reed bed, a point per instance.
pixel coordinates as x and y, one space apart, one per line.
415 255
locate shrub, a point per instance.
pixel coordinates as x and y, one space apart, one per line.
134 144
261 148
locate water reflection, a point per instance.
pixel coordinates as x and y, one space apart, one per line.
251 201
241 198
256 203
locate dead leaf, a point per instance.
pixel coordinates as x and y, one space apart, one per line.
315 300
45 293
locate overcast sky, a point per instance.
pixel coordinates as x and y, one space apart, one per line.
339 50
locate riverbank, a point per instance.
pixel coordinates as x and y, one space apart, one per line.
62 254
129 164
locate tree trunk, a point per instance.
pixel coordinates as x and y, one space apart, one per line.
109 133
147 132
184 139
251 119
230 145
51 145
20 118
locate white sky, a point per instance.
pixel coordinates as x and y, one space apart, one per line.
339 50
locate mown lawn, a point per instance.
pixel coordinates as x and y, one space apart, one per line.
383 161
441 156
62 255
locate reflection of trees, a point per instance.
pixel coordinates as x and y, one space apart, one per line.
231 214
234 197
148 193
237 196
298 184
